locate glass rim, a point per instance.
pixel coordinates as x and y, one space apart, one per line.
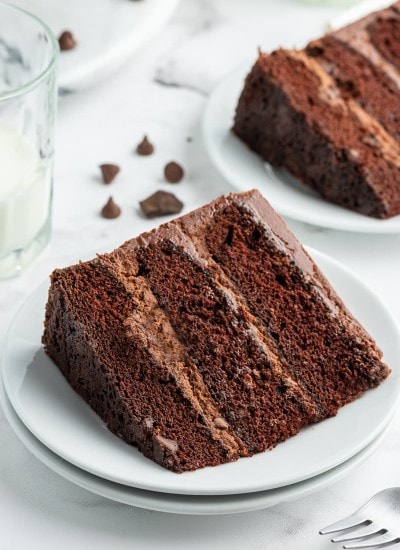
34 82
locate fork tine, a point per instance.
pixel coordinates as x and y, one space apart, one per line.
383 541
363 533
346 523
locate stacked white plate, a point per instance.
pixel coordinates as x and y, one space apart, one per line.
65 434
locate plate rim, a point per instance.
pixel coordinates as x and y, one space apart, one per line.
168 486
177 503
123 50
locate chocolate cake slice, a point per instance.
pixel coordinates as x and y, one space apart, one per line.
329 114
210 338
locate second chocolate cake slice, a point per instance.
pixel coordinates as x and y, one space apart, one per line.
329 114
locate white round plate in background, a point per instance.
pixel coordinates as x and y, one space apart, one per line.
62 421
107 32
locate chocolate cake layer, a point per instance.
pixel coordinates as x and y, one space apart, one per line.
329 114
212 337
359 79
301 314
234 362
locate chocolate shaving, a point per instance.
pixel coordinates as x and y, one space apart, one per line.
161 203
66 41
145 148
173 172
109 171
110 210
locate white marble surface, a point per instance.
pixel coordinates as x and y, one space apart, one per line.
162 91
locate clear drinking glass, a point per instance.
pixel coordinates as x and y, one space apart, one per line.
28 58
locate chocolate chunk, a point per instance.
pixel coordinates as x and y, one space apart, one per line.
220 423
109 171
145 148
67 41
148 422
169 444
161 204
110 209
173 172
137 432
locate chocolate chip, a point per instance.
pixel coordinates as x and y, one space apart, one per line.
160 203
173 172
109 171
110 210
145 148
67 41
221 423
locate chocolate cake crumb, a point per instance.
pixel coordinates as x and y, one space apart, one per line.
145 147
109 171
173 172
66 41
110 210
161 203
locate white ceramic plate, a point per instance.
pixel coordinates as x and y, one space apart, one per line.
244 169
181 504
108 32
61 420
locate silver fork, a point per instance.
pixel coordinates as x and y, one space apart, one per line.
374 525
